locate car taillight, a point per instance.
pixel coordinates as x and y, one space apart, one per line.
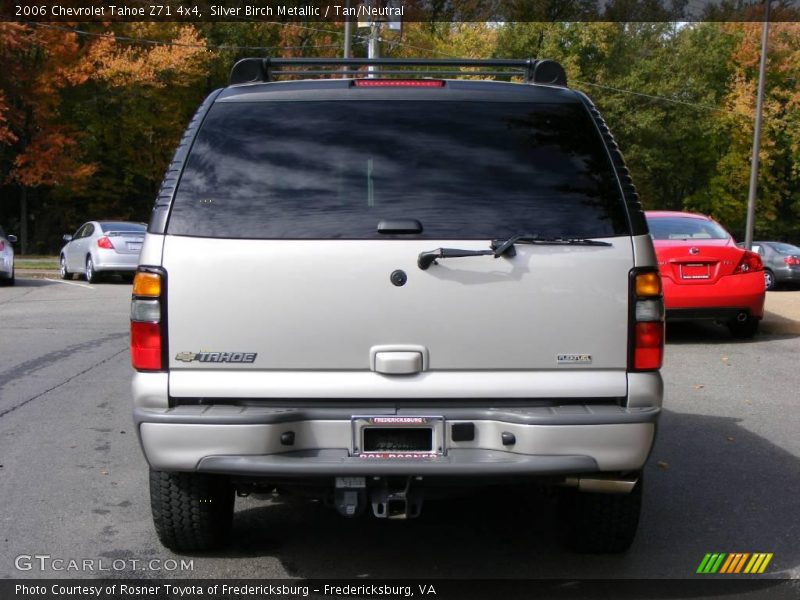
2 246
105 242
792 261
147 322
647 330
750 262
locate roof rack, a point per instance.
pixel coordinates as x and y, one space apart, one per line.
259 70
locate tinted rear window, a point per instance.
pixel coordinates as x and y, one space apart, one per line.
685 228
335 169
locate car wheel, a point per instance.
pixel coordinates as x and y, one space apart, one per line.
769 279
191 511
9 280
743 330
62 269
91 274
600 523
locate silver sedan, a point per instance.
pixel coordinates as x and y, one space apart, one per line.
6 258
100 247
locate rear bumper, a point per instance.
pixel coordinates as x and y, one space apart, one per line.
720 300
787 274
247 441
110 260
6 265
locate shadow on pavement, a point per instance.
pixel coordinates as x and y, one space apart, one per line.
709 332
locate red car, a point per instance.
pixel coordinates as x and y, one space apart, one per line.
705 275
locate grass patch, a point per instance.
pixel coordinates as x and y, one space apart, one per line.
44 264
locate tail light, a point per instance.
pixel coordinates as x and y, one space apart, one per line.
647 329
147 323
750 262
792 261
105 242
2 246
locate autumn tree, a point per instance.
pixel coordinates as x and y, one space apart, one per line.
725 196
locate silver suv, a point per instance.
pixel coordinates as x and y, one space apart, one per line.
374 286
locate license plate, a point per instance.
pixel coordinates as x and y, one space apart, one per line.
695 271
134 245
395 437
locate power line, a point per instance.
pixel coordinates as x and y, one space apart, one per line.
137 40
651 96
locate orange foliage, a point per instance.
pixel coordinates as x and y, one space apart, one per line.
49 160
119 66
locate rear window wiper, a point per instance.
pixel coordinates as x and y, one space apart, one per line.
503 248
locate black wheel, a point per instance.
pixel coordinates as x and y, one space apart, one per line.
769 279
8 281
191 511
62 269
91 275
600 523
743 330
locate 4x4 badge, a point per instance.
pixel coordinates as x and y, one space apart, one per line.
217 357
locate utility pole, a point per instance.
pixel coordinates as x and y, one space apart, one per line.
348 32
373 48
751 196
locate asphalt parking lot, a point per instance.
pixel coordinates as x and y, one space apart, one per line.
724 475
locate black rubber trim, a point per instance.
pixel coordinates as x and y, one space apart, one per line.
700 314
638 223
160 214
396 404
333 463
555 416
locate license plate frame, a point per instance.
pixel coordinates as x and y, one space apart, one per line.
692 271
361 423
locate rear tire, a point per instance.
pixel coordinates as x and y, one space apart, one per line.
91 275
191 511
9 281
744 330
62 269
769 279
600 523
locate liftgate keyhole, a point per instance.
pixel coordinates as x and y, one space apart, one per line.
398 277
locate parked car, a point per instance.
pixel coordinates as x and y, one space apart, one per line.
781 263
7 258
461 291
102 247
705 274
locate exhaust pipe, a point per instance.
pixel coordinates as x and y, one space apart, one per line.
602 485
741 317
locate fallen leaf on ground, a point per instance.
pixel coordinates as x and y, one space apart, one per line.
699 386
103 472
731 439
662 464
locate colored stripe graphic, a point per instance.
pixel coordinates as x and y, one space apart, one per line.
711 563
758 563
727 565
734 563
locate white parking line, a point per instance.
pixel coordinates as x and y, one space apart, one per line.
83 285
